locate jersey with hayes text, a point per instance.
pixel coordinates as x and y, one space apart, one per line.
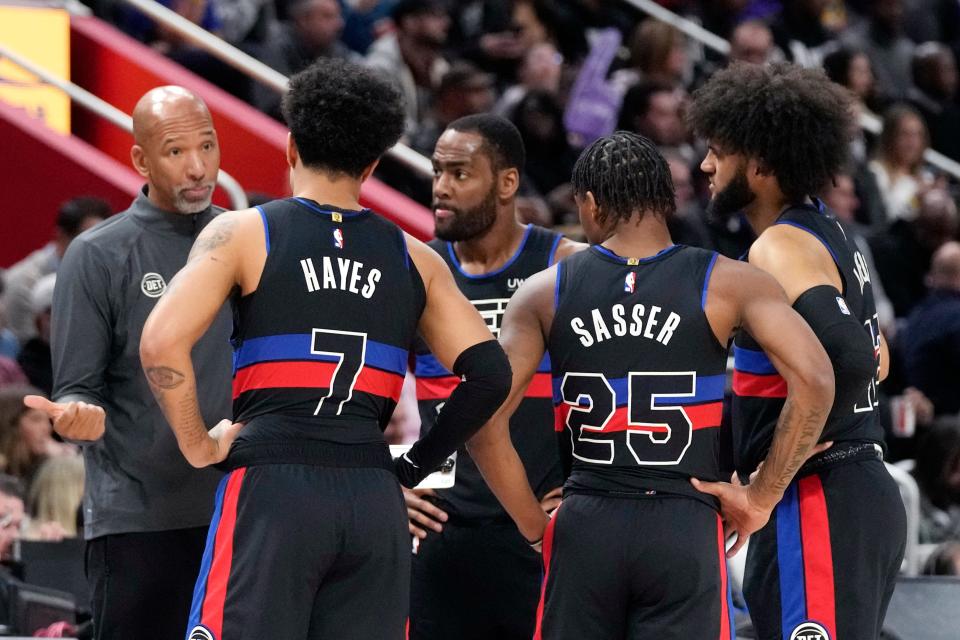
638 373
759 391
321 347
531 425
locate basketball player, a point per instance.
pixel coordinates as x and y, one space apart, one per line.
494 591
309 535
826 562
636 328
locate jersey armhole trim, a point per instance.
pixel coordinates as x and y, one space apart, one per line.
553 250
706 282
266 227
556 288
406 249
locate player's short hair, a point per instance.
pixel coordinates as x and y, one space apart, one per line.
342 116
793 121
503 143
627 175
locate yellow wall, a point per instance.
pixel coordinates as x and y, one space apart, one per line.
43 37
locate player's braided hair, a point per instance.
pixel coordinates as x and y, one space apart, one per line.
793 121
626 175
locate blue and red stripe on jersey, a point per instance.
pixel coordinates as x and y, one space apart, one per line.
754 375
434 382
704 408
286 361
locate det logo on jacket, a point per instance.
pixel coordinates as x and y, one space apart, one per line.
153 285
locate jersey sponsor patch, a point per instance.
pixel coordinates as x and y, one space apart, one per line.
200 632
630 282
338 238
843 306
809 630
153 285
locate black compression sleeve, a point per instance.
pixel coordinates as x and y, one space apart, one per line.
846 340
486 380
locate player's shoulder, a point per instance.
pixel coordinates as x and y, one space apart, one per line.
567 247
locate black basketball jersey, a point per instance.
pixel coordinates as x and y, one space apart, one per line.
321 347
638 374
759 391
531 427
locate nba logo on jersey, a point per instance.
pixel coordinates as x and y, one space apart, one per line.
338 238
630 282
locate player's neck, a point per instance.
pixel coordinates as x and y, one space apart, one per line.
494 248
340 191
765 209
642 240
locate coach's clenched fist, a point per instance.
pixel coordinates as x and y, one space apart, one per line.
72 420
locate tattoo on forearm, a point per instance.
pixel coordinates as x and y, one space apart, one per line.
788 454
164 378
195 430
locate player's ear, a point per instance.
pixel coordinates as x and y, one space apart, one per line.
369 170
589 207
293 154
508 182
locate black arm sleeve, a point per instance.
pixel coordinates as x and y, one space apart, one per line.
846 340
486 380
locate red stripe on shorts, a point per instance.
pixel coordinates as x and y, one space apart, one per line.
817 554
547 550
724 608
216 595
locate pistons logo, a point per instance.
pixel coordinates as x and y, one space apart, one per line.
200 633
809 631
338 238
630 282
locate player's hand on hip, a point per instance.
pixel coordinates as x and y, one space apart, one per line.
72 420
421 513
742 513
551 501
221 437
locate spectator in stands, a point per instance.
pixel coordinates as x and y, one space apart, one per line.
312 32
411 55
364 21
75 216
550 157
935 81
898 166
931 340
26 435
11 515
687 223
540 71
799 31
539 21
903 253
245 22
655 111
657 54
752 42
852 69
881 37
34 357
464 90
54 499
937 472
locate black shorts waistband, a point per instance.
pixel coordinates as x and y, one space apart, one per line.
310 452
841 453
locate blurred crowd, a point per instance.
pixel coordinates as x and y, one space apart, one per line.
567 72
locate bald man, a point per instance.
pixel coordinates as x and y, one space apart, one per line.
146 509
931 338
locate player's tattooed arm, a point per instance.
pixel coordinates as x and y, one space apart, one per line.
214 236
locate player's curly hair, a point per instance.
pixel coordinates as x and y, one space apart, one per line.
342 116
626 175
793 121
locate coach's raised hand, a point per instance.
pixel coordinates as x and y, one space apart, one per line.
72 420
